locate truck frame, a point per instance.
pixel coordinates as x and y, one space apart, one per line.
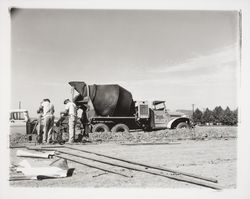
145 117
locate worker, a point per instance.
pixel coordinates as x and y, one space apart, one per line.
48 117
70 110
40 125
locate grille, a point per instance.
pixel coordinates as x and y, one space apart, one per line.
144 111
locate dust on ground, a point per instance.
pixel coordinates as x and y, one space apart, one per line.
206 151
197 133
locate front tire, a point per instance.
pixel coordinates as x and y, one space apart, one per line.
100 128
182 125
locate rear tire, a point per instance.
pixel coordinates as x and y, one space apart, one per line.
100 128
120 128
182 125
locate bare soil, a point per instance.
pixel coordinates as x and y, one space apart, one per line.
206 151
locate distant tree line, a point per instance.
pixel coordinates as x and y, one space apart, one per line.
216 116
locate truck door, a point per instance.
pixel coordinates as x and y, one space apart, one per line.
160 114
160 119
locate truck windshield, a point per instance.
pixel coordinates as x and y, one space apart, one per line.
160 106
18 116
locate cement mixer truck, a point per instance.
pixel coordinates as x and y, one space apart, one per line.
112 108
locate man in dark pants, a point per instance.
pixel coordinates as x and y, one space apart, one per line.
71 112
48 118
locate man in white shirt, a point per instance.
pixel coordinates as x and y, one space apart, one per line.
48 117
70 110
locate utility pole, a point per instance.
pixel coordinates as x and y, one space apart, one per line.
193 134
193 110
19 104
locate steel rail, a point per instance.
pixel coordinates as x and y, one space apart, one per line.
178 178
91 166
148 143
148 166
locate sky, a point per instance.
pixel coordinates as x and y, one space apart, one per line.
183 57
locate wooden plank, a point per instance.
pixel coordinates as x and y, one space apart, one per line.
36 147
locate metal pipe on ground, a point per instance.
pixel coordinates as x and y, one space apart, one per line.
178 178
148 143
18 178
148 166
91 166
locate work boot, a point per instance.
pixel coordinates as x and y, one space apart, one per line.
70 141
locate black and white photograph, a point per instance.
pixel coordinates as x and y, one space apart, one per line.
124 98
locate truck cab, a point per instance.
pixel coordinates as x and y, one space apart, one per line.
18 121
164 119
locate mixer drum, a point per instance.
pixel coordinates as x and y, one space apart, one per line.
108 100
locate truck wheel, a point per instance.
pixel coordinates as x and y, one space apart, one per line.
100 128
182 125
120 128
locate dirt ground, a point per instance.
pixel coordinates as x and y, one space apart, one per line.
207 152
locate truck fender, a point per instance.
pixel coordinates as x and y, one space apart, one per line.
174 122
